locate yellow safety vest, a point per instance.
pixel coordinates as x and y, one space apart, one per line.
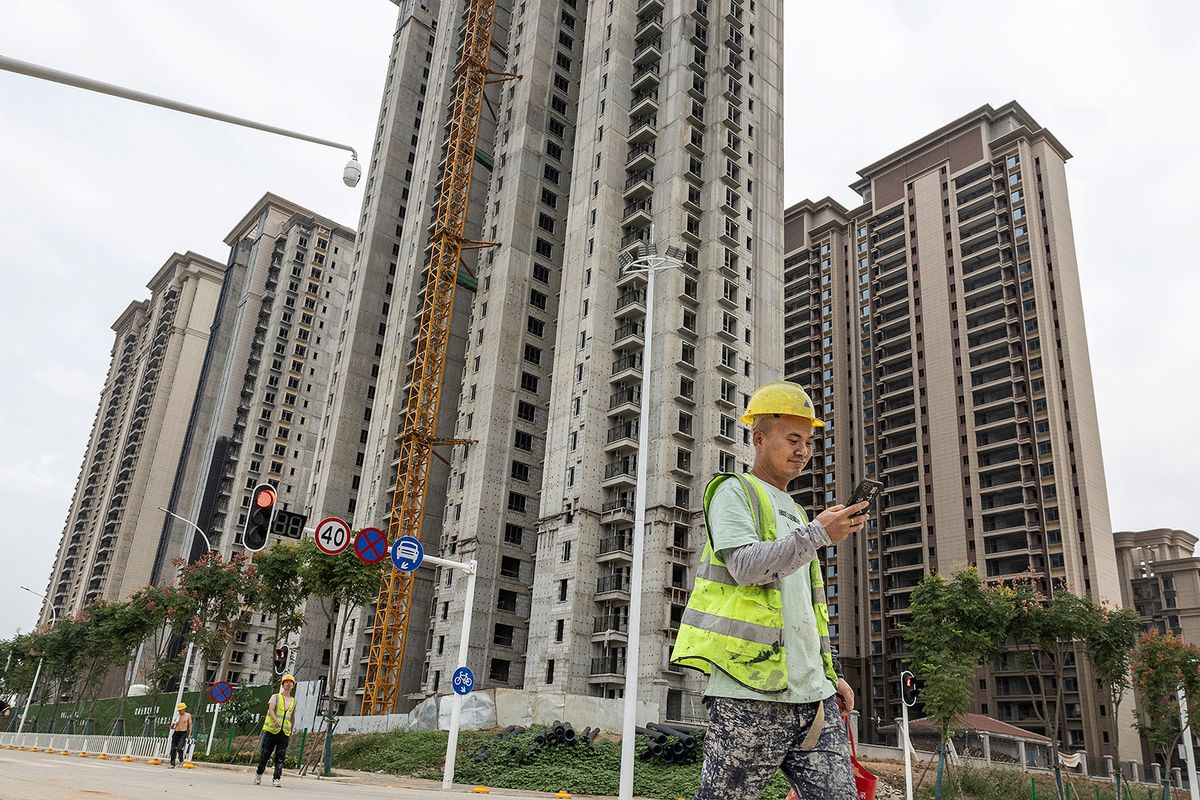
739 629
282 720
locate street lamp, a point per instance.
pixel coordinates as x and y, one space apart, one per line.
38 672
350 175
187 660
647 260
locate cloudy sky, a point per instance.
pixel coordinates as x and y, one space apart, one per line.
96 193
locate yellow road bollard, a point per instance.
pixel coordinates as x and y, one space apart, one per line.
481 790
562 794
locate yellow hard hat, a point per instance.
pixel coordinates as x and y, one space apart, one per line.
288 677
181 707
781 397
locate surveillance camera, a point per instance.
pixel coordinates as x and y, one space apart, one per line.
352 173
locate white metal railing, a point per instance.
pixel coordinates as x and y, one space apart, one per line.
96 746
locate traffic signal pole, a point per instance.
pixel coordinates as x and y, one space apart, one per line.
908 697
908 785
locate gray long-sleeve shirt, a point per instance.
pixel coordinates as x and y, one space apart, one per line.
761 563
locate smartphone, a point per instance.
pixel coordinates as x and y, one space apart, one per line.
866 490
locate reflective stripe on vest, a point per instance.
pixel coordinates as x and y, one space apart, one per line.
283 721
739 629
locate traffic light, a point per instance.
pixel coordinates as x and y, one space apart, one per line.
281 659
260 518
908 688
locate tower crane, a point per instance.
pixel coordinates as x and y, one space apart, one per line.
418 436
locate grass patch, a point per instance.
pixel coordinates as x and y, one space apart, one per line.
516 762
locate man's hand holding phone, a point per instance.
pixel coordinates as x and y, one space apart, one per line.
840 521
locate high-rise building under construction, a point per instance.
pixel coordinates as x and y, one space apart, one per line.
939 326
631 122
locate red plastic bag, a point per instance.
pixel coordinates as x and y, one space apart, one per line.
864 781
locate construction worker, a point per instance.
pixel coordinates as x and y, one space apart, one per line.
181 731
757 621
277 728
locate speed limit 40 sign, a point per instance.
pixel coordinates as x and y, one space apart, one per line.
332 535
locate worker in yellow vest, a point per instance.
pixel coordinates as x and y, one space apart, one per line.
277 727
757 621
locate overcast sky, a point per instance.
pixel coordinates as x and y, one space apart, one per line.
96 193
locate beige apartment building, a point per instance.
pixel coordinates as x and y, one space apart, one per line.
1160 579
261 396
939 326
108 546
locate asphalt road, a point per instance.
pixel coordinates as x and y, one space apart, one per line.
45 776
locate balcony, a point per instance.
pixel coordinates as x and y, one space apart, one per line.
640 184
623 471
648 25
622 436
644 78
628 399
647 52
610 622
627 366
632 332
637 213
641 157
644 102
619 509
634 299
609 668
615 548
616 584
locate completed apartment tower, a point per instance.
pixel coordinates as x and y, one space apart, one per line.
939 327
108 545
630 123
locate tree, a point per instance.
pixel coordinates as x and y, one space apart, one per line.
1110 648
169 611
140 616
1043 632
17 678
280 587
220 596
954 626
1162 665
339 584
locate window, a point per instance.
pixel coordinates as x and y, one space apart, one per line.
499 670
535 326
513 533
529 382
520 471
526 411
537 299
559 629
562 590
566 552
550 671
510 567
517 502
506 600
503 635
523 441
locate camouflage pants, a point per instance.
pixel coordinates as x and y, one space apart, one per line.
748 740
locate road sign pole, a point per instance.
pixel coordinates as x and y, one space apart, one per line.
463 643
213 731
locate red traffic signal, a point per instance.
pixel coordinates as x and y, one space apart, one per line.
908 688
260 518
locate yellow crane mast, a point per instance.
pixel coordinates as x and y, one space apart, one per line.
418 437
